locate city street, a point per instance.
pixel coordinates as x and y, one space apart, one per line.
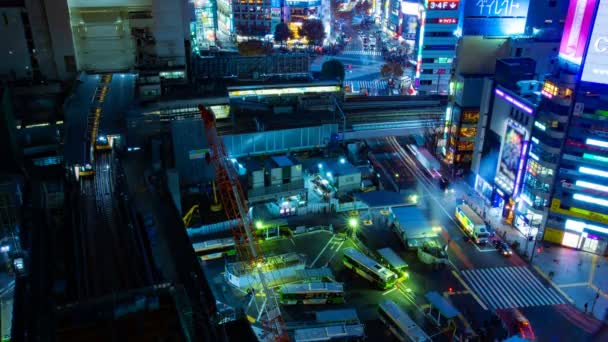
493 281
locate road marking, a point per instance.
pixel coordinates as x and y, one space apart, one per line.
335 252
321 252
593 267
466 286
389 291
542 274
573 285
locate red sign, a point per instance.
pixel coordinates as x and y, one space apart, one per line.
447 20
448 5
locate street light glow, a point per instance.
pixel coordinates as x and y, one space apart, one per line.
352 222
259 225
342 160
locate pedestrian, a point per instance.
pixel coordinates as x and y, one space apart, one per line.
585 306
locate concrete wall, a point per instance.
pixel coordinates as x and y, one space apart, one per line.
478 55
14 51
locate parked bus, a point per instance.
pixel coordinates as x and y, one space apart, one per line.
400 323
338 316
389 258
312 293
214 249
340 332
369 268
473 225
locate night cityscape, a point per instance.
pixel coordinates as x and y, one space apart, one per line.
304 170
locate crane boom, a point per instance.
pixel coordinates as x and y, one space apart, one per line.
236 207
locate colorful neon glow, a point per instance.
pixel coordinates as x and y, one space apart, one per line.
595 157
420 42
513 101
520 172
576 30
589 199
535 140
595 142
445 5
593 186
594 172
596 62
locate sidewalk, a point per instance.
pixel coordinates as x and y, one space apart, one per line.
578 275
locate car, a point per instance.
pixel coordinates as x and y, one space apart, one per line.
516 324
502 247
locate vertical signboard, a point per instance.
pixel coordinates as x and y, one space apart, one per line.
576 30
511 158
596 63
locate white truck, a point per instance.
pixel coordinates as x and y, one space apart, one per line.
472 225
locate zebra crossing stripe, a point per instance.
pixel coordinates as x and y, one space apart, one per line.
476 284
552 294
506 287
510 294
536 292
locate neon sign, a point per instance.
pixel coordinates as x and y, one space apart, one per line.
446 5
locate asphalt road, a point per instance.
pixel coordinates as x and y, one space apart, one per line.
492 281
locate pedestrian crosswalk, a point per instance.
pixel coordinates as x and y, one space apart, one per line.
510 287
362 52
356 86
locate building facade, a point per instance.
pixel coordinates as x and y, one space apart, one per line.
252 18
40 47
437 46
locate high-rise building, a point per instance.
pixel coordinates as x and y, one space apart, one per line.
437 46
40 45
252 18
578 105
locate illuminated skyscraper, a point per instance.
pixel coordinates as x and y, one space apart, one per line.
564 190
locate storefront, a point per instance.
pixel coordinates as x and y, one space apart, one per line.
580 235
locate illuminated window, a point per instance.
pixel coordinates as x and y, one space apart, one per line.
571 240
590 171
590 199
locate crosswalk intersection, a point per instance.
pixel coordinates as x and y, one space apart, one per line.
362 52
366 84
510 287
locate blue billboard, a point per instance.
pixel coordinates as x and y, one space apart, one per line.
496 8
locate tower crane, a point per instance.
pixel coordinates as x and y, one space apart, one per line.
235 205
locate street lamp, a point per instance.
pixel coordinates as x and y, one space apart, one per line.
259 225
353 223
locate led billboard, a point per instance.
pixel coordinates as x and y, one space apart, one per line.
596 63
576 30
445 5
511 158
496 8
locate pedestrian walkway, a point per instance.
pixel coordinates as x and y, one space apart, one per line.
362 52
365 84
510 287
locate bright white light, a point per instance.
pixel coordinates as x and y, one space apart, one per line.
596 143
342 160
328 175
320 166
579 226
534 140
5 249
591 171
533 156
540 126
589 199
588 185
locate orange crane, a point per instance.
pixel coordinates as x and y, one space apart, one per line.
236 207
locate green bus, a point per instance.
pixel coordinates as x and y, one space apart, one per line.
369 268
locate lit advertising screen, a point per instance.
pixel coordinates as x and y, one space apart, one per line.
596 63
496 8
411 8
510 158
446 5
410 27
576 30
